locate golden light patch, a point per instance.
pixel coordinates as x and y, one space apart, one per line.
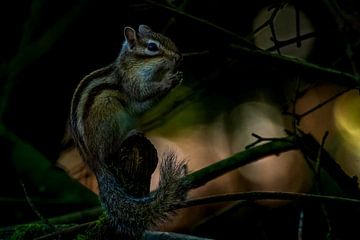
347 120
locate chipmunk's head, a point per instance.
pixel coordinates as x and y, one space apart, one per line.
148 54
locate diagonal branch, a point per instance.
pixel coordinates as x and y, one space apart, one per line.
297 39
298 117
293 65
239 159
203 21
271 24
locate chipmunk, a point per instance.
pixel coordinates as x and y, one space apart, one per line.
104 109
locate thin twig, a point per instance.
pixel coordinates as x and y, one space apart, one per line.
88 215
291 103
309 147
328 223
252 196
298 117
260 139
294 65
306 89
271 24
284 43
301 225
7 200
75 217
318 158
272 29
148 235
151 235
66 231
274 39
262 26
203 21
270 19
35 210
243 196
199 53
318 181
343 26
313 109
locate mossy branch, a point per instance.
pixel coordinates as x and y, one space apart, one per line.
242 158
239 159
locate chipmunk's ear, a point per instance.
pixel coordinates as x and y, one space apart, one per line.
130 36
144 29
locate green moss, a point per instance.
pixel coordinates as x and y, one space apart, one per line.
30 231
82 237
98 230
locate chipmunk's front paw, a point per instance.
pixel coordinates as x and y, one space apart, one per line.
171 81
176 78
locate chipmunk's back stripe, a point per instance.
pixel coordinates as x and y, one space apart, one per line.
95 91
85 82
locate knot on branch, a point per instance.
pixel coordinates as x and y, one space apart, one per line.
135 163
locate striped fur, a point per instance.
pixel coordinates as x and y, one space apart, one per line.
104 109
124 89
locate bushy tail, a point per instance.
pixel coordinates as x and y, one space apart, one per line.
131 216
171 188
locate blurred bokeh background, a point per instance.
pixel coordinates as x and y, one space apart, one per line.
47 47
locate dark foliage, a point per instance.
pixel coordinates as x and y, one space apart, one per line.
48 46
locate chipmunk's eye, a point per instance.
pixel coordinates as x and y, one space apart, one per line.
153 47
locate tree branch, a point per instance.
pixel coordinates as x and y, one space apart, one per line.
203 21
293 65
252 196
150 235
260 139
239 159
297 39
298 117
80 216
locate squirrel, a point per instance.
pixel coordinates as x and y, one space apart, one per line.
103 114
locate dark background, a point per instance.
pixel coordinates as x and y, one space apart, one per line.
38 104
